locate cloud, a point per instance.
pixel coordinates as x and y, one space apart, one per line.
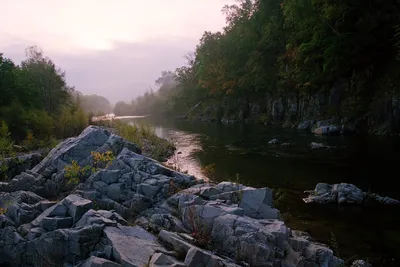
113 48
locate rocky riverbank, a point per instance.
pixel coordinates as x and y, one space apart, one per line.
327 112
136 212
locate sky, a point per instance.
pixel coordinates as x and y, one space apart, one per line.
116 49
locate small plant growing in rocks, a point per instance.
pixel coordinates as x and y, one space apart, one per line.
202 239
74 173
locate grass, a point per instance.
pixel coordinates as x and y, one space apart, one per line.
144 136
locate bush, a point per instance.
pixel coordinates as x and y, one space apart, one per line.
71 122
40 123
6 144
16 118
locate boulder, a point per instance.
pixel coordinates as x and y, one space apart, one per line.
344 194
77 206
132 246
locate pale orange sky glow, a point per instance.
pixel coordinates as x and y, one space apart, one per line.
114 48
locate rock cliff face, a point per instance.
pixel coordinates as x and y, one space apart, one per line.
332 111
178 221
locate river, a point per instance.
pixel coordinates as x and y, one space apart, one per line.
242 152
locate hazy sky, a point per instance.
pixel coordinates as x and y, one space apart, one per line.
113 48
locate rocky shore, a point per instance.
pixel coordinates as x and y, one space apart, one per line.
136 212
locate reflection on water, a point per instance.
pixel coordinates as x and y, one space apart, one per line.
371 163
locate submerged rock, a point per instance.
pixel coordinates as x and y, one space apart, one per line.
344 194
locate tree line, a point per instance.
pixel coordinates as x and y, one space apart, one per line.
271 48
36 103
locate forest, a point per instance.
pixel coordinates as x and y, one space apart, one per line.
272 51
37 106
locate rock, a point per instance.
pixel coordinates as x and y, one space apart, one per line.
306 125
327 130
175 241
21 213
360 263
257 203
132 246
99 262
77 206
199 257
166 221
162 260
54 223
315 145
348 194
344 194
63 246
273 142
19 164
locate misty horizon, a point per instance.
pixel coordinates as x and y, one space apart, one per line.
116 51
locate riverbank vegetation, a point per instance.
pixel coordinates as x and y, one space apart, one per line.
344 53
36 104
151 145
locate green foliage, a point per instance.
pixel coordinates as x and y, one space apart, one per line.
74 173
275 47
6 144
34 96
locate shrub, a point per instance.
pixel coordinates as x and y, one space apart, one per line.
6 144
74 173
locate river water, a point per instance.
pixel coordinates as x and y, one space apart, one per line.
242 152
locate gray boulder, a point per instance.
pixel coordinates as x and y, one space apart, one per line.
344 194
132 246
